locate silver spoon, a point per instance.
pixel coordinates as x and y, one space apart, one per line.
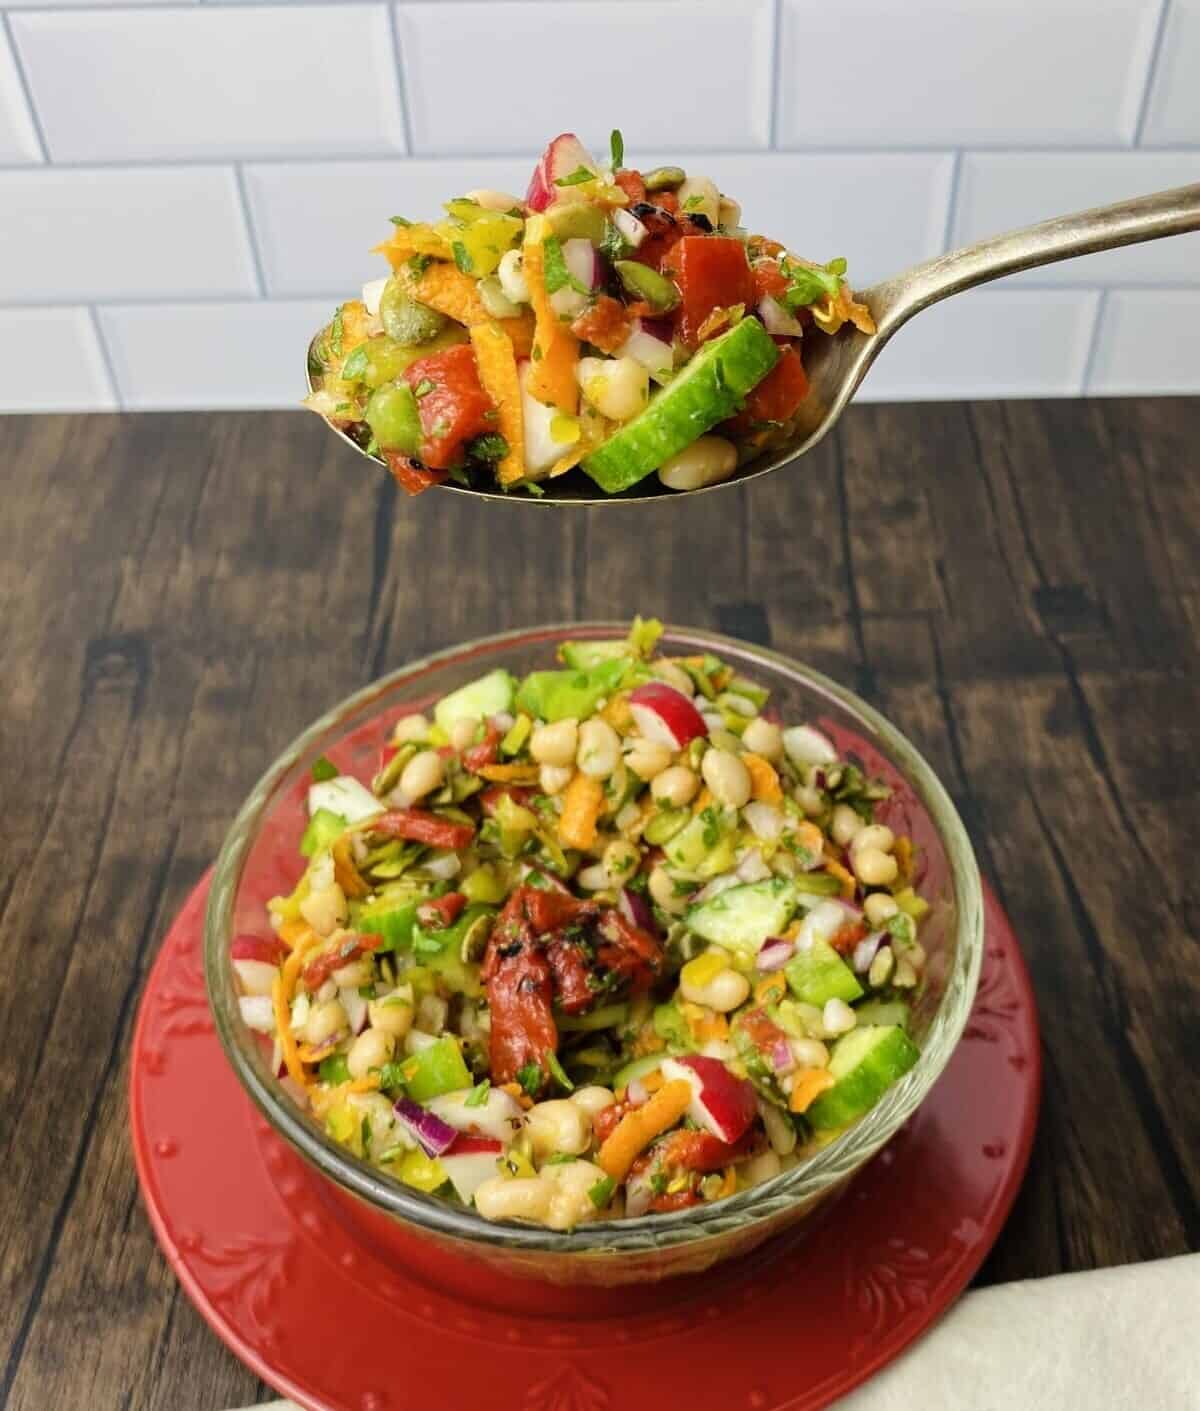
837 365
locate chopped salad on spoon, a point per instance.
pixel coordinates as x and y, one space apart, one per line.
610 940
618 321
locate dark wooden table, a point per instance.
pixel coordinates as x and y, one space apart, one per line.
1017 585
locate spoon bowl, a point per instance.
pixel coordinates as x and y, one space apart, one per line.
836 365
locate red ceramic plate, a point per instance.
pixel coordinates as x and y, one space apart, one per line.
330 1323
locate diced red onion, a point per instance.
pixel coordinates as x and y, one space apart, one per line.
434 1135
637 910
355 1007
660 328
866 950
783 1060
777 320
633 232
655 354
774 954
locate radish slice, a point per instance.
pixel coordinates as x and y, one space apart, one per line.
470 1162
566 154
258 1013
666 716
344 796
774 955
777 320
434 1135
722 1103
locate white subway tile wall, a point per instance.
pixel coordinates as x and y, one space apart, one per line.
209 176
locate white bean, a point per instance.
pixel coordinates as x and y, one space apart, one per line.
599 750
393 1014
906 976
879 908
409 729
881 968
354 975
371 1049
676 786
763 737
809 799
621 860
809 1053
422 775
496 201
324 909
673 675
873 867
592 1099
617 387
724 992
662 892
707 461
554 778
525 1198
846 824
764 1167
594 878
727 777
648 759
324 1021
462 733
571 1202
555 744
875 835
837 1017
558 1125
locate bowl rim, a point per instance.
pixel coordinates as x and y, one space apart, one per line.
812 1177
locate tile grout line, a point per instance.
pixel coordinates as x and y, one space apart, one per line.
776 72
260 278
26 91
1089 362
106 356
952 199
401 84
1156 49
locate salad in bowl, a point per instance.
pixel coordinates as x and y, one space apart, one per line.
606 940
617 321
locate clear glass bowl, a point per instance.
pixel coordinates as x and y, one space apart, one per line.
260 859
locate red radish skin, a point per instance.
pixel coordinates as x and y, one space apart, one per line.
470 1162
566 154
666 716
721 1104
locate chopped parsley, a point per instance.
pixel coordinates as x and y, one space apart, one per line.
323 769
424 387
530 1078
712 827
576 178
489 447
356 364
400 220
557 1072
613 245
693 203
537 353
806 286
477 1097
418 264
560 1158
462 257
557 275
336 329
334 1069
391 1075
616 146
601 1193
342 407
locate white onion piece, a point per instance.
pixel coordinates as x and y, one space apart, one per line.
655 354
355 1007
344 796
503 721
633 232
716 887
781 1133
301 1006
821 924
415 1041
371 295
752 868
258 1013
864 952
637 1093
443 866
584 268
257 976
766 821
804 745
777 320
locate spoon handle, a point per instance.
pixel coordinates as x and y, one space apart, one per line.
894 301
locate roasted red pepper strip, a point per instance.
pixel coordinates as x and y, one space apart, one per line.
701 1151
712 273
607 1119
440 912
776 397
451 403
486 752
315 974
630 952
411 477
631 183
489 799
676 1200
417 825
570 969
520 993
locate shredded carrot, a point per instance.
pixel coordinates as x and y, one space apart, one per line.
449 291
902 851
807 1086
291 933
345 873
637 1129
810 837
849 886
516 1091
704 800
509 773
703 1023
653 1081
583 803
366 1084
498 372
619 713
411 240
281 1000
729 1184
764 782
771 989
552 377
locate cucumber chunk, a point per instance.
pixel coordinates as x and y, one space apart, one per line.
864 1064
744 917
490 695
820 974
708 390
582 655
884 1011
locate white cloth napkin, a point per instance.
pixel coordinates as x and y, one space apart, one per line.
1121 1339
